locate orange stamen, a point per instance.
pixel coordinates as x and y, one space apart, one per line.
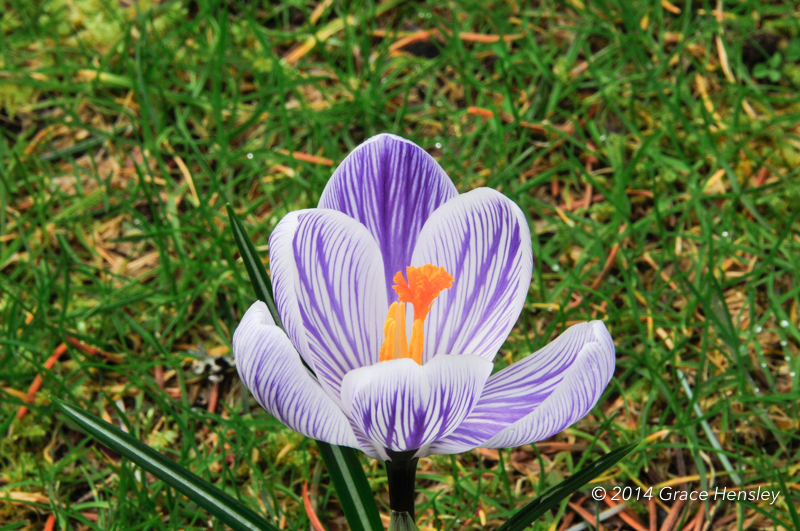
424 285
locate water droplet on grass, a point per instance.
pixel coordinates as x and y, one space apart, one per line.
438 145
758 330
725 234
784 323
249 155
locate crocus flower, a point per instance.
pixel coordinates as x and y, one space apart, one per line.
398 292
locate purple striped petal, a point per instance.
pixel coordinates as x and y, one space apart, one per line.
340 293
392 186
283 271
482 239
270 367
403 406
541 394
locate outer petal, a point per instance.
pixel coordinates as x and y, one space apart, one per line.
269 366
284 277
482 239
540 395
340 291
403 406
392 186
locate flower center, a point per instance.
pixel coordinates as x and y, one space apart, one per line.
423 286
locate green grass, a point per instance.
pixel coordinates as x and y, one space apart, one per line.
101 237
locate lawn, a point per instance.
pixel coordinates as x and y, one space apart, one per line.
653 146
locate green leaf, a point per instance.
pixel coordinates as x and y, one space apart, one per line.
352 487
774 75
220 504
760 70
776 60
254 265
792 51
526 516
343 464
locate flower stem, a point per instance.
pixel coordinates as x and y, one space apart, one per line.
401 472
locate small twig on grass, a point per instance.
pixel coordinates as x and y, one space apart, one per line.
651 508
605 515
307 158
672 517
312 516
38 381
213 397
587 516
626 514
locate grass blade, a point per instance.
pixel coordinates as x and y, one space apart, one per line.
528 514
255 268
221 505
352 487
343 464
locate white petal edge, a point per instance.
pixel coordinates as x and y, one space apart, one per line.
483 240
271 369
283 271
403 406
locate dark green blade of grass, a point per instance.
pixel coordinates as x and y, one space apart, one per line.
350 482
343 464
204 494
255 268
528 514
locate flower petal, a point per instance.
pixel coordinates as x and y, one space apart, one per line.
541 394
283 271
403 406
270 367
392 186
340 292
482 239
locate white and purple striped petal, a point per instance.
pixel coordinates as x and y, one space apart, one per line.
541 394
340 293
392 186
271 368
283 271
575 396
482 239
403 406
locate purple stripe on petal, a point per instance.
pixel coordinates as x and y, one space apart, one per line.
482 239
403 406
541 394
340 291
270 367
392 186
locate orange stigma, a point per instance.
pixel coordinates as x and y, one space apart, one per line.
423 286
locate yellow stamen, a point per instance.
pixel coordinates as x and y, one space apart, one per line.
423 287
415 348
